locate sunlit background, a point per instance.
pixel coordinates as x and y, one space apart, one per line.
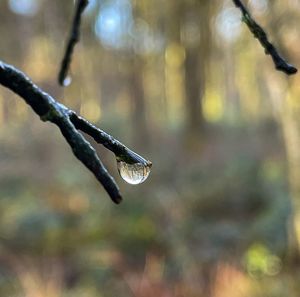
184 84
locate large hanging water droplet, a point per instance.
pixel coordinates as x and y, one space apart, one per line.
134 173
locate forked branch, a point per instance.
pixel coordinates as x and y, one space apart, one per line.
69 123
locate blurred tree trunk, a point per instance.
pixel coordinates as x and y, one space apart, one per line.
140 131
289 113
291 132
138 103
231 88
197 15
194 88
289 120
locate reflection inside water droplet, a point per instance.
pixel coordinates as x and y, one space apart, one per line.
133 173
67 81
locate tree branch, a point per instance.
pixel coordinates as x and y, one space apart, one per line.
260 34
69 122
73 39
120 150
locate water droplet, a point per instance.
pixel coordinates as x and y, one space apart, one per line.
67 81
134 173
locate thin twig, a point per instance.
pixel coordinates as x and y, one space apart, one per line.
120 150
73 39
260 34
69 122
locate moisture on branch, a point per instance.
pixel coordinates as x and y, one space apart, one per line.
73 39
260 34
69 123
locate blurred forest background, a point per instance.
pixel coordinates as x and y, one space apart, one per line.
185 84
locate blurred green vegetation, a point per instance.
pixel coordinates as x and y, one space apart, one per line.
184 84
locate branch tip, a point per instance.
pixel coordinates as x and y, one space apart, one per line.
261 35
73 39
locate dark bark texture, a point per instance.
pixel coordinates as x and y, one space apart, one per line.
260 34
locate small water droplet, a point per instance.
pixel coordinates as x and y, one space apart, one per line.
134 173
67 81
